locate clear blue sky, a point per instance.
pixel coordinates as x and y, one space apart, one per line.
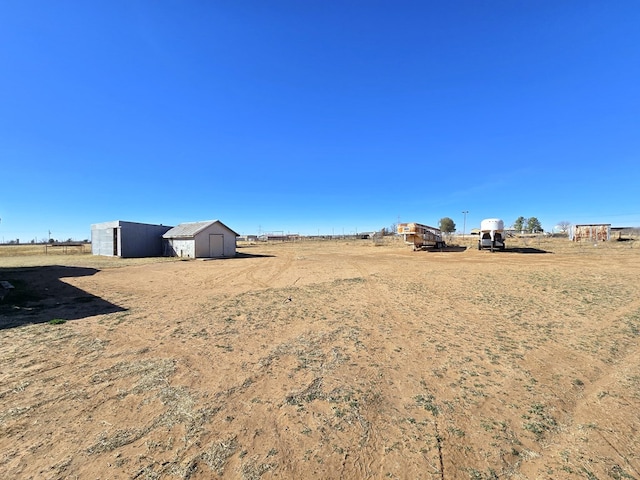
317 116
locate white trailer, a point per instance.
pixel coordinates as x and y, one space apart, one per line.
421 236
492 234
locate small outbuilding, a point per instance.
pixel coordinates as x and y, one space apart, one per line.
127 239
597 232
207 239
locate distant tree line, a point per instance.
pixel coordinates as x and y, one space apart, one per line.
43 241
527 225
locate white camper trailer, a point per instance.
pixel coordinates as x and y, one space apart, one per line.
492 234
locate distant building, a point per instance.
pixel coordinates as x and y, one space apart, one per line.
273 237
127 239
207 239
597 232
628 232
247 238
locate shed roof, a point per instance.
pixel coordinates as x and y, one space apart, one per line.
119 223
191 229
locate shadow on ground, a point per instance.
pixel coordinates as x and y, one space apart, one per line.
524 250
448 248
39 295
238 255
251 255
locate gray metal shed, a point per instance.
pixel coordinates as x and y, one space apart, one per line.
127 239
207 239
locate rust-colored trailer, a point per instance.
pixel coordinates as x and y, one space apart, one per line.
421 236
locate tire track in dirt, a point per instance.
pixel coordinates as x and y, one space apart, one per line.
364 462
269 280
622 311
250 274
603 398
228 278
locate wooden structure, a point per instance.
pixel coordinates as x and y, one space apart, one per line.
597 232
420 236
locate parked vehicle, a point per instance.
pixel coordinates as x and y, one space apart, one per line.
421 236
492 234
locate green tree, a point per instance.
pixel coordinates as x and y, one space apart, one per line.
519 224
447 225
533 225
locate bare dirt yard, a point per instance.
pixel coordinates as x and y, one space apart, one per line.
324 360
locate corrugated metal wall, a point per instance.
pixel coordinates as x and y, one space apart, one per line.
141 239
102 238
132 239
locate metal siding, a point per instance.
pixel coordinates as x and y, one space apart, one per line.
102 238
134 239
141 240
101 242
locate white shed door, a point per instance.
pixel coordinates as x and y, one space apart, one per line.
216 245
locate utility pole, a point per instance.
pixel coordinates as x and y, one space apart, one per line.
464 223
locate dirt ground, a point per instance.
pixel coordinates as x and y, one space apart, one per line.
324 360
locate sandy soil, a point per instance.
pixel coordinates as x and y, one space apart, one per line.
324 360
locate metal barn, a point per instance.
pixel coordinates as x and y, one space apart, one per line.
598 232
207 239
127 239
